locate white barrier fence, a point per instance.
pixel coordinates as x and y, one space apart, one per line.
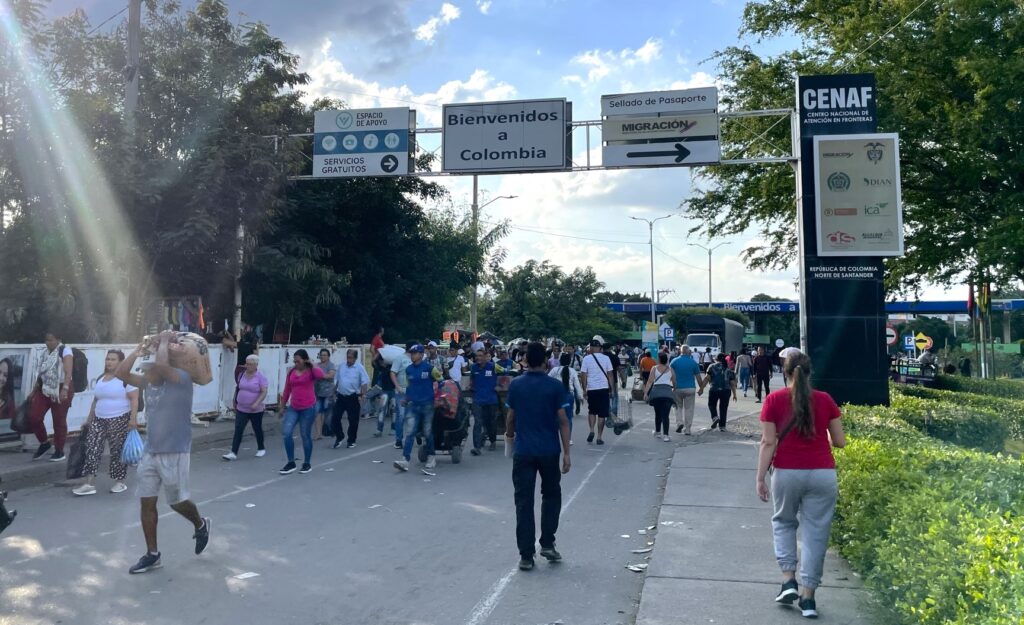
21 363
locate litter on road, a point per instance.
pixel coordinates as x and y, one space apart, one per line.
248 575
648 550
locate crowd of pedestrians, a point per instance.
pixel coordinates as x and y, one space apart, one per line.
527 393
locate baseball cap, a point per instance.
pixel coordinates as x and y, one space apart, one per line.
597 339
432 344
417 348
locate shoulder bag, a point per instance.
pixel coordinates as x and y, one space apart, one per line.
659 391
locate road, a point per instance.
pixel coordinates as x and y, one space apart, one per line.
352 542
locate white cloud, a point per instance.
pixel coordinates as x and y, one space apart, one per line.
484 6
328 77
601 63
428 30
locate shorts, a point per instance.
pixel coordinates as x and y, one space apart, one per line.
167 470
599 403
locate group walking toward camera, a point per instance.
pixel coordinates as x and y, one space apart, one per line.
526 393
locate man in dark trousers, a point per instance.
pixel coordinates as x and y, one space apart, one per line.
538 428
762 373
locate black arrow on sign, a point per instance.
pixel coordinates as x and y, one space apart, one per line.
389 163
680 153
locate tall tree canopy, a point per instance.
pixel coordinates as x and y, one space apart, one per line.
158 211
539 300
949 76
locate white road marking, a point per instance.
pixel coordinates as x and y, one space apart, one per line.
483 609
232 493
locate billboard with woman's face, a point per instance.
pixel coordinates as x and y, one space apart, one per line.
15 384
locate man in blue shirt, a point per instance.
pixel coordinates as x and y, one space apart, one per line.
351 382
687 380
483 380
419 407
539 429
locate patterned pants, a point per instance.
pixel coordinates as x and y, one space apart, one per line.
115 431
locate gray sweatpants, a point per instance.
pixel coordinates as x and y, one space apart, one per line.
804 498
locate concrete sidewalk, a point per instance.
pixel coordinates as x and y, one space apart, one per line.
713 560
17 470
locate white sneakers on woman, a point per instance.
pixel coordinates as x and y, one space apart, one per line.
88 489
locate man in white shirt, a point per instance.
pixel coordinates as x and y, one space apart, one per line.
351 383
596 379
456 363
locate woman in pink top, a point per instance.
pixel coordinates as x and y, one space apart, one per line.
299 399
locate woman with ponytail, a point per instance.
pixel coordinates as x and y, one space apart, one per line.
570 379
799 427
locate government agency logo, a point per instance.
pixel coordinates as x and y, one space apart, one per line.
875 209
838 182
874 151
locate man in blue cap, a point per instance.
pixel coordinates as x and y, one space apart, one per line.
419 407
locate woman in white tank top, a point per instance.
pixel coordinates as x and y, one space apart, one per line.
115 405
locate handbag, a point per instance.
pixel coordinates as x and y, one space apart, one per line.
659 391
21 421
76 455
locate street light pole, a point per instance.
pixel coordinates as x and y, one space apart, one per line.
476 206
650 240
709 250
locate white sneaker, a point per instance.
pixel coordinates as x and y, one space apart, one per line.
401 465
431 462
229 456
85 489
655 433
261 453
666 439
118 487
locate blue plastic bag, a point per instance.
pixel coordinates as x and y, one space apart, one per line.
133 447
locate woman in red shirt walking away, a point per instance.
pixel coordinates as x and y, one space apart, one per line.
299 388
799 427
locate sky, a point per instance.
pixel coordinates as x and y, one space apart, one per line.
422 54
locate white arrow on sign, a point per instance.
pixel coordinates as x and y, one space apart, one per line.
681 153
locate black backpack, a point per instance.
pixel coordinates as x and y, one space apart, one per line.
79 369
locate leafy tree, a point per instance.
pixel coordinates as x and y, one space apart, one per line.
940 332
331 257
777 326
677 316
615 296
948 76
539 300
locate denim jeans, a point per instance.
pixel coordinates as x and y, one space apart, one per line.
387 396
524 479
304 419
399 418
484 418
419 416
614 405
745 379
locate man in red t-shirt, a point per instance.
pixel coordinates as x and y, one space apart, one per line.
378 341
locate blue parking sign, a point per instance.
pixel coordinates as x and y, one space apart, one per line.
908 341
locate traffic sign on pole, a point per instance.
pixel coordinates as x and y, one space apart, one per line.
908 341
361 142
890 335
922 341
486 137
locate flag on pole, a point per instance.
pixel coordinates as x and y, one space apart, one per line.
971 306
985 300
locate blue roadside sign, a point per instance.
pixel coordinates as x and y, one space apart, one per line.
908 341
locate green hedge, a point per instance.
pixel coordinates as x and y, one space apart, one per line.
936 530
959 423
1010 411
1012 389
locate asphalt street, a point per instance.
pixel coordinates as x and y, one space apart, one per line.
352 542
